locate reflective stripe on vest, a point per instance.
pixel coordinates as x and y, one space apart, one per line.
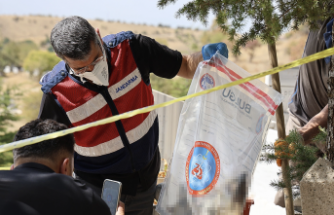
116 143
96 103
128 92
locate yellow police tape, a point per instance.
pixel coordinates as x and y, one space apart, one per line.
21 143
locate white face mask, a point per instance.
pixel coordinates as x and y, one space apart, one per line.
99 75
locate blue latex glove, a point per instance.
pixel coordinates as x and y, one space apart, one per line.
210 49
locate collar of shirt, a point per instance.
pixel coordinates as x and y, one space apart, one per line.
35 166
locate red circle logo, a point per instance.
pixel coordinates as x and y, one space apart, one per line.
207 81
202 168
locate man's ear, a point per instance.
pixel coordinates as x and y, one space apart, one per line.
12 167
65 167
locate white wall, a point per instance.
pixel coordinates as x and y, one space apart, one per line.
168 121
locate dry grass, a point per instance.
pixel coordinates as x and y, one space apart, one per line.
37 28
31 94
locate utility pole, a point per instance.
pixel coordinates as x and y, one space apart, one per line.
281 131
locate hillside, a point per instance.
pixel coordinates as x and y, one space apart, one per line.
253 59
37 28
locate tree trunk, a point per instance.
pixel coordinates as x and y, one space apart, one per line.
330 122
281 132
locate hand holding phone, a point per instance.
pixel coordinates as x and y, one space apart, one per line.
121 209
111 194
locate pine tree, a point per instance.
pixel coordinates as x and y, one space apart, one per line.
6 117
269 19
301 158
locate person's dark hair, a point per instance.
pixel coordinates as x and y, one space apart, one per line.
49 149
72 38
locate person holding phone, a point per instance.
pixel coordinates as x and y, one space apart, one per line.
103 77
40 181
111 191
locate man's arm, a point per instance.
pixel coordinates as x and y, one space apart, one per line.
189 65
311 129
190 62
152 57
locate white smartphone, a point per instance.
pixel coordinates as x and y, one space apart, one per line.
111 193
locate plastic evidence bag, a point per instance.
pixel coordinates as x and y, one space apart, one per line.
218 142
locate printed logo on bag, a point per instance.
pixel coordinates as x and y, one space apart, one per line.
207 82
202 168
259 124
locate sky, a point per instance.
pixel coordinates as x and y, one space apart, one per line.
130 11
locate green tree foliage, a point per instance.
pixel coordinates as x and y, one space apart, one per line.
176 87
6 116
212 37
13 53
268 17
251 46
6 158
31 104
301 158
5 58
24 48
6 107
46 44
42 61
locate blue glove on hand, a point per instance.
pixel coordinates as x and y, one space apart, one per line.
210 49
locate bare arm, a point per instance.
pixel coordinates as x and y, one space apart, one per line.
189 65
190 62
311 129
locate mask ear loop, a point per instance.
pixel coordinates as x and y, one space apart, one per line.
101 46
102 49
82 79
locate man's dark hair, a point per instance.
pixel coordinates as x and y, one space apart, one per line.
48 148
72 38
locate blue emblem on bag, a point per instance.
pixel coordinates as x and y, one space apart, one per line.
202 168
207 82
